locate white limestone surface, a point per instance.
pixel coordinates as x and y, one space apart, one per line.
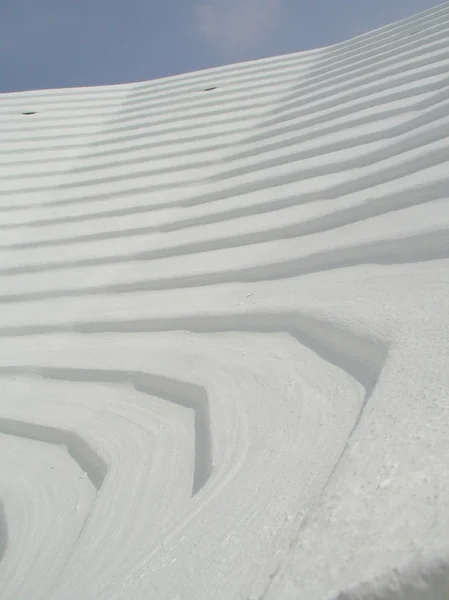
224 357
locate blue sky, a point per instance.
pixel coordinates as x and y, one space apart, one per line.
60 43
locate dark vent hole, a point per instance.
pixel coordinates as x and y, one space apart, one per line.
210 89
28 113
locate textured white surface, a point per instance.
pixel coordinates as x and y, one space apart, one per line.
224 365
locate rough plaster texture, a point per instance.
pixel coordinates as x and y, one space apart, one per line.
224 365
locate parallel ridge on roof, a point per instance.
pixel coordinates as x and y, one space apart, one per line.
151 212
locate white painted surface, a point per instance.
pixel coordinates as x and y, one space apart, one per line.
224 365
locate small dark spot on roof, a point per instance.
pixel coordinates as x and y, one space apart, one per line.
29 113
210 89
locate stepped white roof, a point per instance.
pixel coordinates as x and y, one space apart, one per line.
224 297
